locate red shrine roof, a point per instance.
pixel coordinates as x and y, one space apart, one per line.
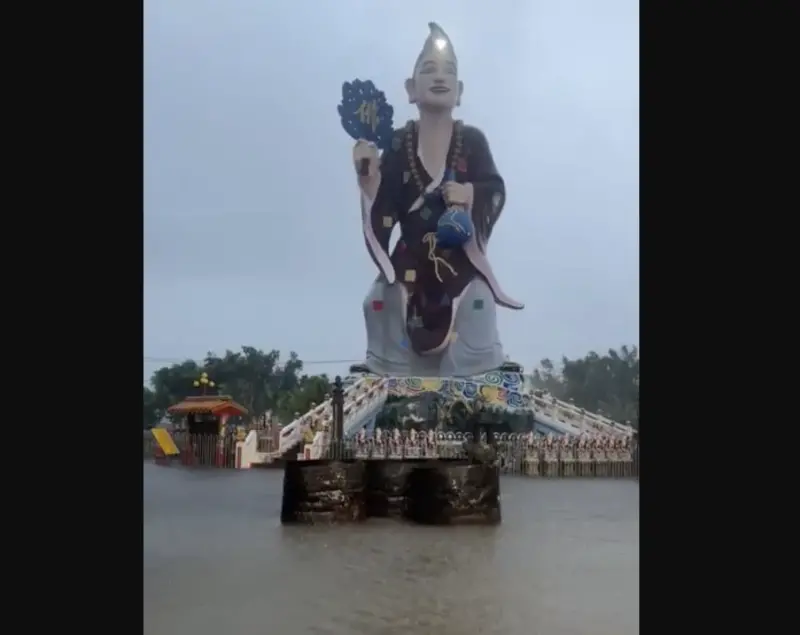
214 404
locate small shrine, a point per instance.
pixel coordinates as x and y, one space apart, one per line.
207 414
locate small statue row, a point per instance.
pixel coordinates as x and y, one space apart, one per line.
539 455
397 444
585 456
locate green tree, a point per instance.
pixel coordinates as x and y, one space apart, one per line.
172 383
607 384
309 389
256 379
151 413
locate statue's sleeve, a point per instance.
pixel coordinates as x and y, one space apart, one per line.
379 216
489 190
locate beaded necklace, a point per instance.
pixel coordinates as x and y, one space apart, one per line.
430 238
413 159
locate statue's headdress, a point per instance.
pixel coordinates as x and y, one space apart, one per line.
438 43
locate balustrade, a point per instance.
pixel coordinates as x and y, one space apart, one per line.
528 454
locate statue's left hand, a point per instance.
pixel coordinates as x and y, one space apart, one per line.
458 194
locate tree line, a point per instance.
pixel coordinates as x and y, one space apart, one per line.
262 383
256 379
604 384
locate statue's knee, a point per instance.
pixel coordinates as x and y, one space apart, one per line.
475 332
372 302
367 304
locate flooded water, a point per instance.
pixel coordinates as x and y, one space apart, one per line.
565 561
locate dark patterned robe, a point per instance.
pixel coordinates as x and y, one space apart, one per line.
434 277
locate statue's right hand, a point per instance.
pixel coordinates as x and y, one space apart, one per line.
366 159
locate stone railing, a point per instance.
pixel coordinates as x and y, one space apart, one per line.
516 453
408 443
364 403
578 418
320 417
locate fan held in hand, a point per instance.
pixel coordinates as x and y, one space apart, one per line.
365 114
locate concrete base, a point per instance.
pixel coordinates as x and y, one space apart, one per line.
323 492
386 483
425 491
454 492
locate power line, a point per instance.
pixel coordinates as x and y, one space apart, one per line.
178 360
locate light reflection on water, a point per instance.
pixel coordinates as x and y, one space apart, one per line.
565 561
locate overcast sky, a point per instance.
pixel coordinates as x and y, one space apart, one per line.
251 217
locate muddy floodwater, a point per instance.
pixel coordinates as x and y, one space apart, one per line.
565 561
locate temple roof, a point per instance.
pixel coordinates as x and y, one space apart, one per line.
214 404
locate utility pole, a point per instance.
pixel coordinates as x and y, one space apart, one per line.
337 405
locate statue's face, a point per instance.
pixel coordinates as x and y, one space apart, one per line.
435 83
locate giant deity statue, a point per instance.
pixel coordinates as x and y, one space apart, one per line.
432 311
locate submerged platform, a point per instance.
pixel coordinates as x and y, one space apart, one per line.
425 491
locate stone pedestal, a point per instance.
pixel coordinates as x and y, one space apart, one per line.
550 467
626 464
601 464
532 465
